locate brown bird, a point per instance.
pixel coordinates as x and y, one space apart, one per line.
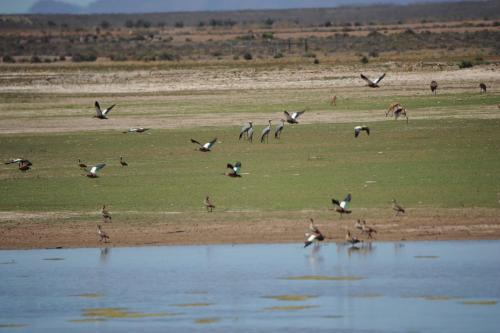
342 207
105 214
374 83
208 204
434 86
122 162
397 208
103 236
314 236
81 164
367 230
482 86
358 225
351 239
24 166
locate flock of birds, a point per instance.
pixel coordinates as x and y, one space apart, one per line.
313 235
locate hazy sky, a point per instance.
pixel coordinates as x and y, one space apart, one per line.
22 6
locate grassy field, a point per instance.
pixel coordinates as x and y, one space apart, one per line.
449 163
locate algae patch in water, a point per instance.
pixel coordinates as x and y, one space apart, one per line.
439 298
12 325
90 295
334 317
53 259
367 295
290 298
121 313
87 320
206 320
426 257
290 308
486 302
324 278
193 305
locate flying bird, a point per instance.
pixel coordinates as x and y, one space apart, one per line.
358 130
235 169
122 162
92 171
136 130
292 119
265 133
103 236
342 207
434 86
105 214
373 84
279 129
397 208
314 236
19 160
207 146
245 130
102 114
208 204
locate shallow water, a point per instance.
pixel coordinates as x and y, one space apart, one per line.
384 287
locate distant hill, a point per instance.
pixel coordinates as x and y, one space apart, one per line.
53 7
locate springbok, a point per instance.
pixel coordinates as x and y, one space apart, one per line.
208 204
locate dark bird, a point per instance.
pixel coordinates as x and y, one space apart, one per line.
397 208
434 87
358 130
292 119
482 86
265 133
103 236
92 171
235 169
81 164
105 214
24 166
102 114
205 147
314 236
279 129
373 84
245 131
208 204
136 130
367 230
122 162
342 207
351 239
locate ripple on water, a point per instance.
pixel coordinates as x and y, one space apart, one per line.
53 259
480 302
324 278
290 298
12 325
193 305
426 257
89 295
290 308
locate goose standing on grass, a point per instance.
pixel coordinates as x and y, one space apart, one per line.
434 87
24 166
372 84
103 236
245 129
81 164
265 133
482 87
122 162
136 130
358 130
105 214
208 204
279 129
205 147
353 240
314 236
102 114
235 169
19 160
92 171
292 119
397 208
342 207
367 230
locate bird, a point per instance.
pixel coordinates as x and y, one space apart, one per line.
292 119
314 236
19 160
102 114
351 239
136 130
342 207
373 84
250 134
367 230
206 147
105 214
358 129
122 162
245 129
358 225
102 234
279 129
24 166
81 164
482 86
400 111
265 133
397 208
92 171
208 204
434 86
235 169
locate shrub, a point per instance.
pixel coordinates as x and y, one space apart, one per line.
373 53
269 21
165 56
8 59
78 57
179 24
35 59
316 61
105 24
268 35
278 55
465 64
247 56
364 60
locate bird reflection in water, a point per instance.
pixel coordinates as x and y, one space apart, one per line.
103 257
314 257
364 248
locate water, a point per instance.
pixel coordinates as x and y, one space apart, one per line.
386 287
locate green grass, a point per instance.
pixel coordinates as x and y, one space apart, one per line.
428 163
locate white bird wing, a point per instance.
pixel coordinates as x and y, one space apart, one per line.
105 112
297 114
344 204
97 167
311 237
209 145
98 109
367 79
379 79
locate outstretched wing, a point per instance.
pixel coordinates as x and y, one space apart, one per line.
367 129
98 109
97 167
194 141
105 112
379 79
367 79
209 145
297 114
357 129
288 117
335 202
347 200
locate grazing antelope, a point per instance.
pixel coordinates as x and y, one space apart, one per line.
342 207
81 164
292 119
105 214
397 208
372 84
358 129
208 204
102 114
333 100
351 239
392 107
279 129
314 236
434 87
206 147
92 171
482 86
235 169
245 131
400 111
103 236
367 230
122 162
265 133
136 130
